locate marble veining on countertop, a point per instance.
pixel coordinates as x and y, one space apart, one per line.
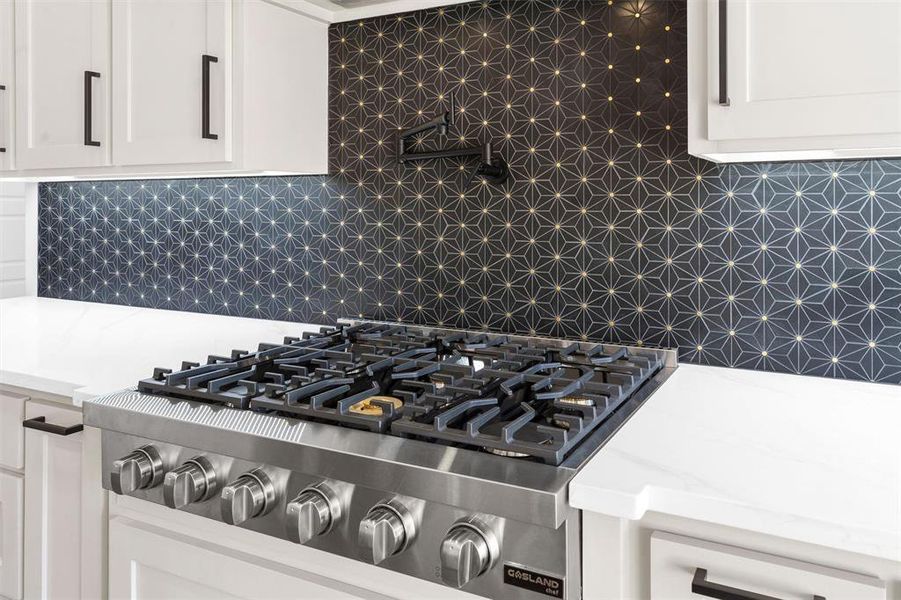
811 459
80 350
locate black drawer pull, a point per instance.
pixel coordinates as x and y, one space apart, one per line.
723 55
702 587
205 98
2 89
89 108
41 424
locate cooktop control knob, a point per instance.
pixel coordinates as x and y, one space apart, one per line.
388 529
314 512
141 469
468 550
194 481
250 495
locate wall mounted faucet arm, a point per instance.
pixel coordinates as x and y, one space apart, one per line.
447 153
492 168
440 124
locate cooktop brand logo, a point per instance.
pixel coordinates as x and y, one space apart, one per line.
532 580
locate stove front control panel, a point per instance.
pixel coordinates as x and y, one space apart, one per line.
481 554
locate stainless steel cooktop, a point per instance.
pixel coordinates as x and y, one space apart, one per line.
441 454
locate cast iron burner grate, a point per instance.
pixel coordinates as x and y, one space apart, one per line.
521 397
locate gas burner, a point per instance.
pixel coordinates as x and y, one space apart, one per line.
577 400
512 396
375 405
506 453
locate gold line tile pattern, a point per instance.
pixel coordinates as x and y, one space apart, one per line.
607 229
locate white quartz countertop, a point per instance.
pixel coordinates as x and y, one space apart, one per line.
80 350
809 459
815 460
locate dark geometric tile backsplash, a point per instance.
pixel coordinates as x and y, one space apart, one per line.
607 230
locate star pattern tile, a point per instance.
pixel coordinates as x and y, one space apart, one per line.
607 230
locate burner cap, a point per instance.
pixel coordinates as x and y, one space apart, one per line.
577 400
506 453
370 408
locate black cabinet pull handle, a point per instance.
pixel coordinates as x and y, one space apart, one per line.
2 89
41 424
702 587
205 100
723 58
89 108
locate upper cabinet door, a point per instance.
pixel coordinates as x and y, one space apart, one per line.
805 68
62 83
172 75
7 87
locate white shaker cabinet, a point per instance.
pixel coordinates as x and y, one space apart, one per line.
62 83
132 88
52 547
172 84
10 536
148 564
12 411
794 79
684 568
7 85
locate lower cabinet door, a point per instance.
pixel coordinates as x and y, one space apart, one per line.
53 510
10 536
684 568
147 563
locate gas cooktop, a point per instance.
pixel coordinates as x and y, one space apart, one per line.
524 397
444 455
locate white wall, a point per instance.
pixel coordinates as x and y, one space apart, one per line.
18 239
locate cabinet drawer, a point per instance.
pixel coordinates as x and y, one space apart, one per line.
12 438
684 568
147 564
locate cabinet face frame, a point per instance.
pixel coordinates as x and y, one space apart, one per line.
46 89
161 101
12 444
11 519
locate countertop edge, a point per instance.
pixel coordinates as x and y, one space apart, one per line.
633 506
41 385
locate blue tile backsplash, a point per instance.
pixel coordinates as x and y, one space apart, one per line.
608 229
